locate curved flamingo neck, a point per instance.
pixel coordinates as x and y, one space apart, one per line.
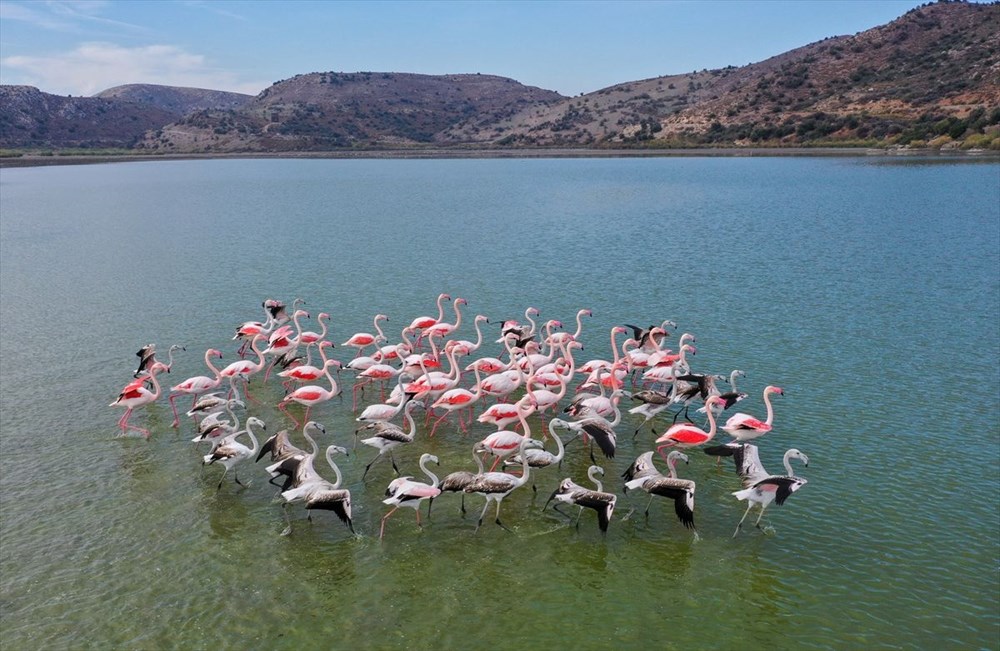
253 439
312 442
431 475
479 334
208 363
527 315
787 460
770 409
732 380
333 466
440 302
408 414
378 328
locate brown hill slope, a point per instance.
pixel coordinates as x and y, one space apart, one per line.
934 71
31 118
176 99
327 110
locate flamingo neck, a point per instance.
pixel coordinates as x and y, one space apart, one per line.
787 460
312 442
732 381
253 439
208 363
378 328
334 467
770 409
672 467
592 475
527 315
431 475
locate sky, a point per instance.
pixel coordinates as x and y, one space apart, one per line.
80 47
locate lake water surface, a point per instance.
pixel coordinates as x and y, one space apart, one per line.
868 288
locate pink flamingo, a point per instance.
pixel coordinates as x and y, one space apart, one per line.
444 329
307 373
465 347
310 338
197 385
245 368
283 344
309 395
403 491
423 322
362 340
566 337
505 443
455 400
687 435
744 427
135 394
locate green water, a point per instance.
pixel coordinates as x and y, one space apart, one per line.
868 289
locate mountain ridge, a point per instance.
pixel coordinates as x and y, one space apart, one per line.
929 78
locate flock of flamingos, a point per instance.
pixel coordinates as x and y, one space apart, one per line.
537 374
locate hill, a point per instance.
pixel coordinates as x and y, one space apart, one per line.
176 99
932 73
325 110
31 118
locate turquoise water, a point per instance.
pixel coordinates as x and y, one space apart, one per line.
868 288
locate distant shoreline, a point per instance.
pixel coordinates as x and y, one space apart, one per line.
39 160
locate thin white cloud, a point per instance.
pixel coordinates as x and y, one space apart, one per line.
43 19
93 67
88 11
215 8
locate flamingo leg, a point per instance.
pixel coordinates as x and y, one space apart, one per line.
173 407
757 523
417 511
745 514
368 467
483 514
436 423
288 520
393 460
381 531
648 504
502 525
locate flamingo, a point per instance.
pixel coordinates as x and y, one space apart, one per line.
687 435
274 313
504 443
495 486
455 400
245 368
440 329
403 491
135 394
316 492
456 482
307 373
541 458
216 430
667 370
744 427
281 344
600 430
233 453
388 436
465 347
310 338
642 474
732 396
566 337
518 331
603 503
147 355
762 488
309 395
362 340
285 456
422 322
653 402
197 385
207 404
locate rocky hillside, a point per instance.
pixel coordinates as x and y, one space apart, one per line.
324 110
31 118
175 99
931 75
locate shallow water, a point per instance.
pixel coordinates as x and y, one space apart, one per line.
868 289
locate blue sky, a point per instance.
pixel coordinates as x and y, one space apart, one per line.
84 46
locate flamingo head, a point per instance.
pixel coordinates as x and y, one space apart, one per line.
774 389
215 353
675 455
461 301
322 315
299 313
533 311
429 457
336 449
795 453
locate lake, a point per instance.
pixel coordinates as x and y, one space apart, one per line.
867 287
